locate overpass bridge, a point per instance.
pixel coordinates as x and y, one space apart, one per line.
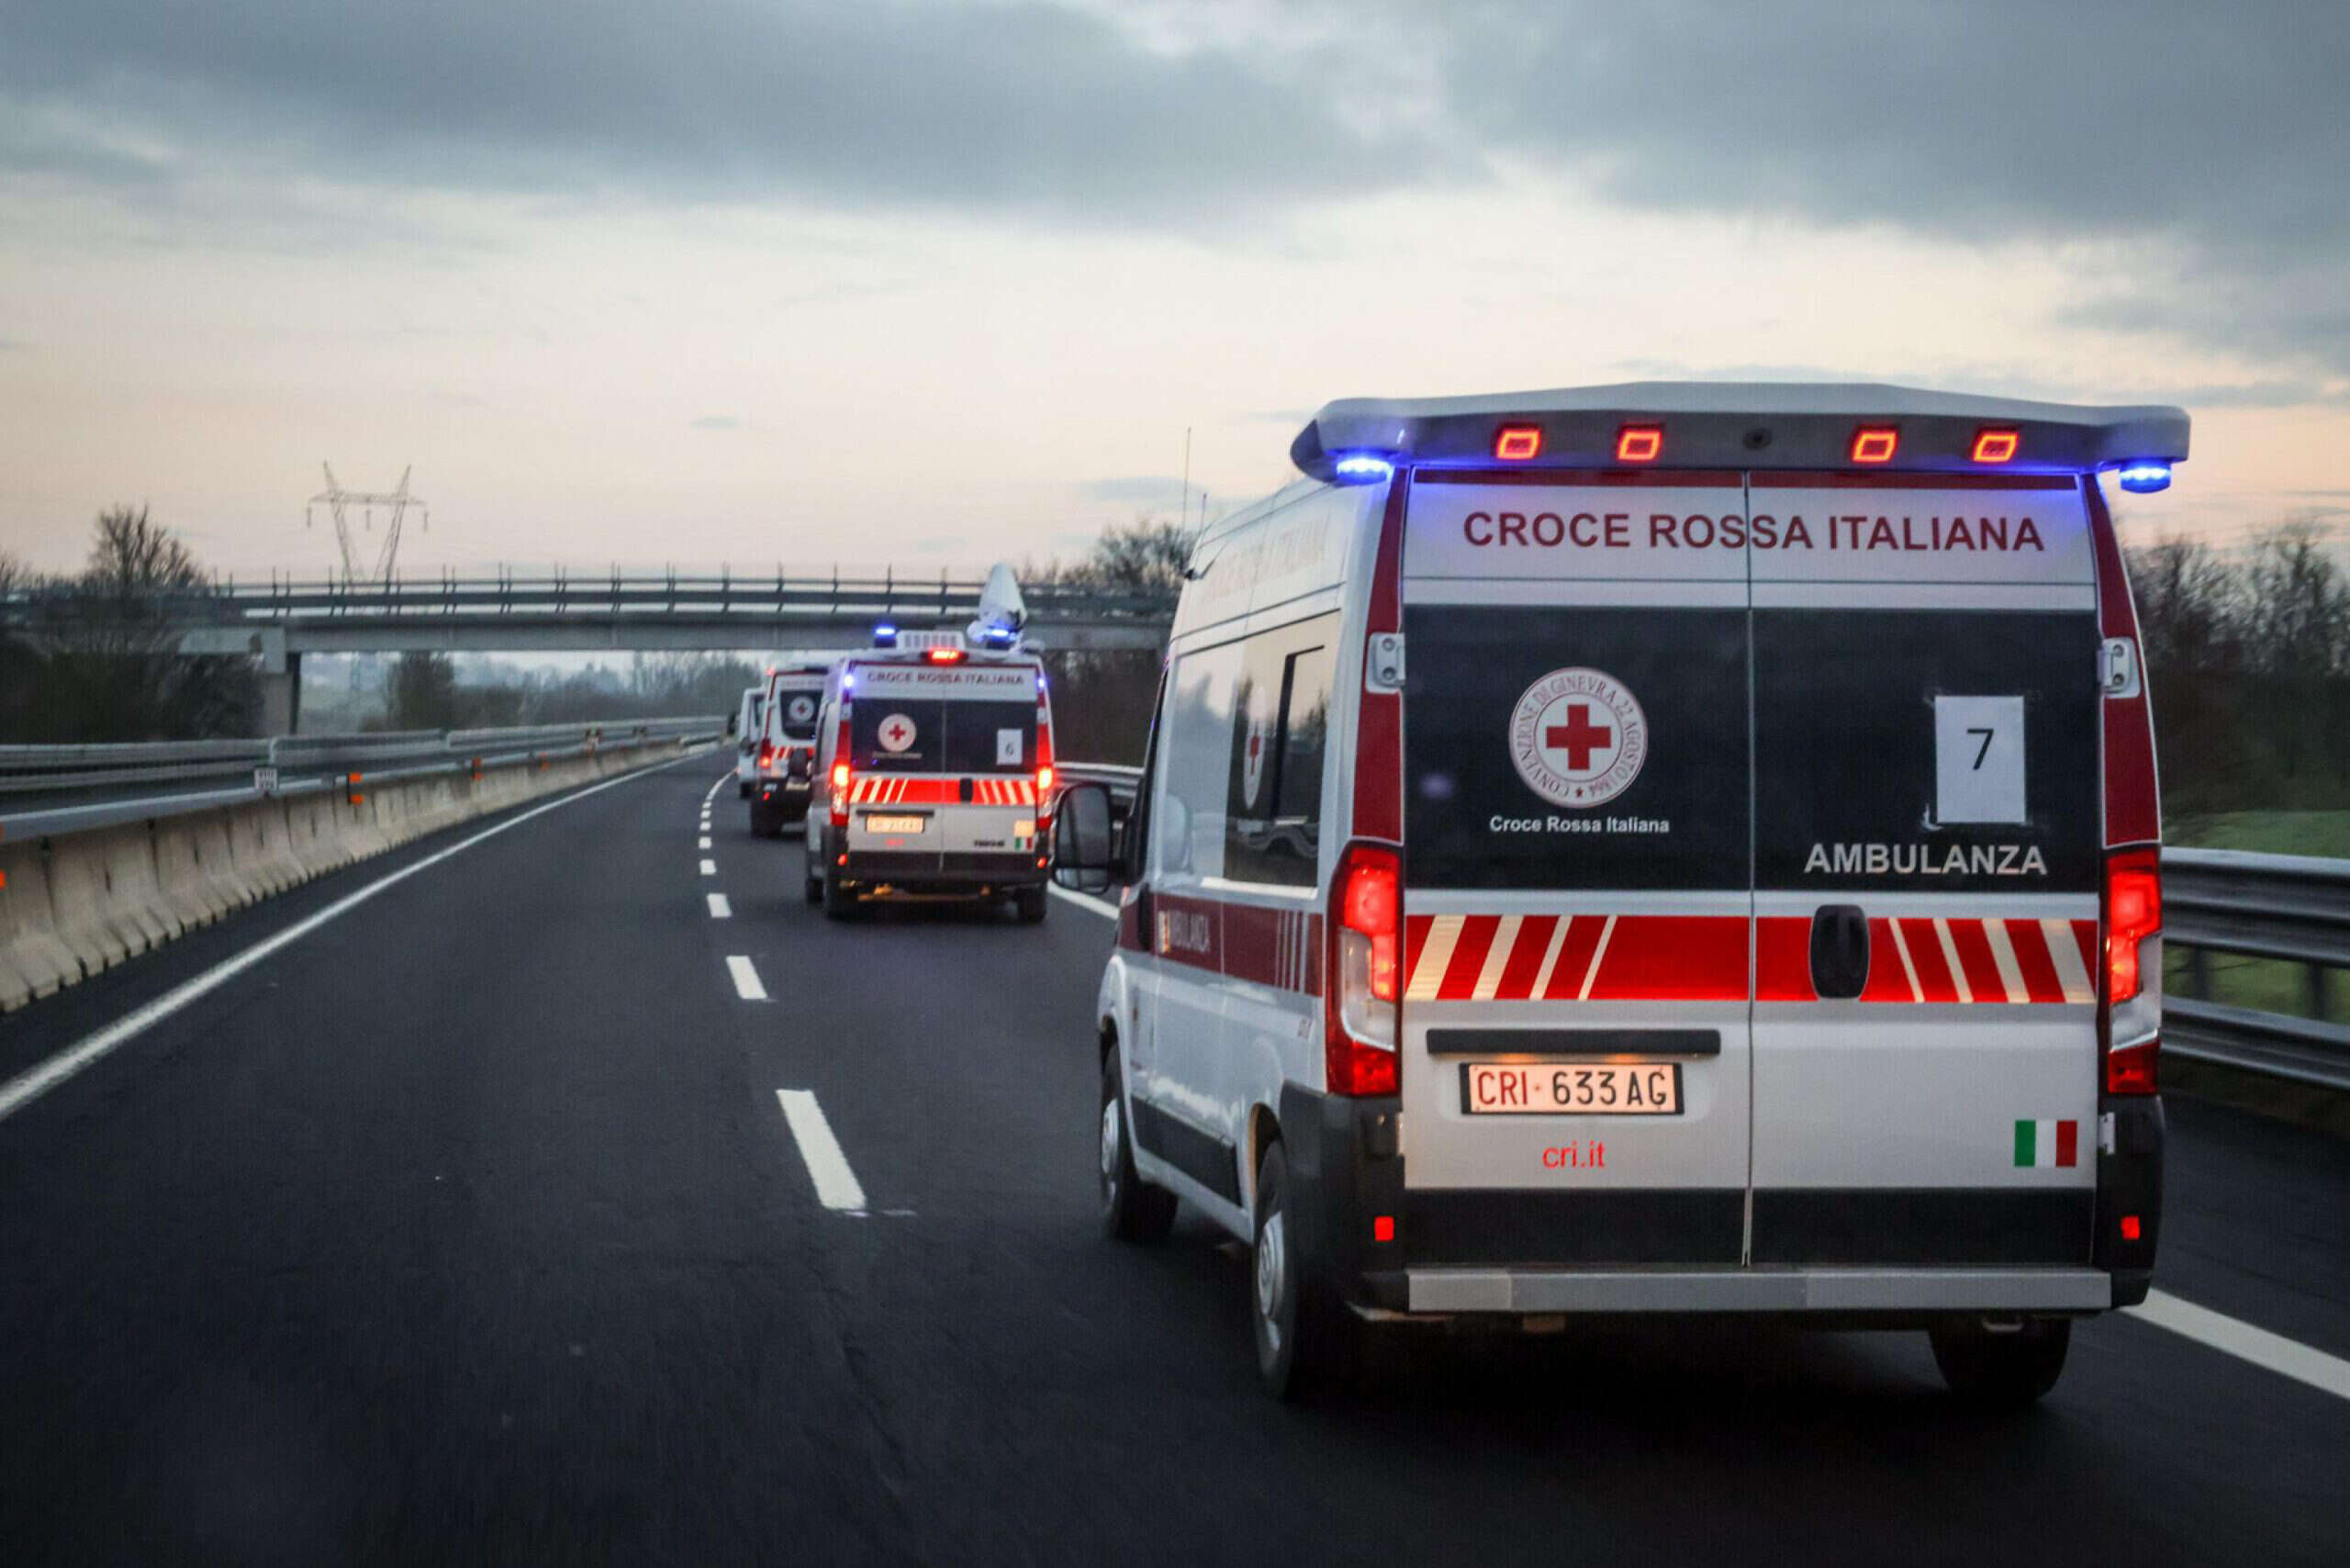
505 612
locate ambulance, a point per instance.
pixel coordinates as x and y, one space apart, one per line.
935 775
746 730
787 755
1661 850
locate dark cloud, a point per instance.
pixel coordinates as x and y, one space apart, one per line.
992 107
2197 152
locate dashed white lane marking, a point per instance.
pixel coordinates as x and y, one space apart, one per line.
35 1081
710 868
702 843
1084 900
2273 1352
836 1185
719 908
746 980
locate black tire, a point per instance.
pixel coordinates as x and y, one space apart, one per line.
1308 1345
1131 1209
839 901
742 788
2005 1368
815 889
1030 903
767 822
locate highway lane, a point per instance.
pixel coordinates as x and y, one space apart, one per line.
471 1227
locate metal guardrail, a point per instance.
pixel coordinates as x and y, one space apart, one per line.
48 791
2292 908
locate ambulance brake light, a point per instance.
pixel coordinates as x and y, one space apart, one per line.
839 777
943 656
1365 971
1361 468
1638 443
1518 443
2133 911
1875 443
2144 477
1996 447
1044 780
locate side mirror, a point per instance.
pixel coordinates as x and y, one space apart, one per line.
731 723
1082 839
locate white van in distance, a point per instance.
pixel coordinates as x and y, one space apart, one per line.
746 730
787 755
935 775
1650 849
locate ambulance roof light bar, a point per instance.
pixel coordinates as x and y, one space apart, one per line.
1735 425
2144 476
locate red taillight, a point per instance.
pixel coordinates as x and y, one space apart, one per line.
2133 911
1638 443
943 656
1382 1228
2130 1227
1518 443
767 755
1044 782
1996 447
2135 1069
1364 970
1875 443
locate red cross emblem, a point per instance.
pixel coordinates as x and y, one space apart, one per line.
897 733
1579 737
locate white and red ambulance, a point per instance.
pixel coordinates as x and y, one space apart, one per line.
935 775
1659 849
785 762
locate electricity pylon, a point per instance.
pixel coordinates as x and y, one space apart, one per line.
339 501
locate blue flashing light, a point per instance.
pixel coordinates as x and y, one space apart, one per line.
885 635
1361 468
2145 475
848 680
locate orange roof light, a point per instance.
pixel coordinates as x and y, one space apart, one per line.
1875 443
1638 443
1996 447
1516 444
944 655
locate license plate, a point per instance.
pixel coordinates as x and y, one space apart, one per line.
894 824
1570 1089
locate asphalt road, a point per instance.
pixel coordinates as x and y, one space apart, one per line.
470 1228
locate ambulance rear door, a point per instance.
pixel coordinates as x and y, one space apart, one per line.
1577 878
1927 837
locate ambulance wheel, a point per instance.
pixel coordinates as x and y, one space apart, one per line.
1131 1209
1030 903
815 889
1307 1344
839 902
765 821
742 790
2001 1367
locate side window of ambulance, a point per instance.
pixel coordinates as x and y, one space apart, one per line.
1194 765
1274 786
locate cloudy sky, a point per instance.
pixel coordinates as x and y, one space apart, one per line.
928 284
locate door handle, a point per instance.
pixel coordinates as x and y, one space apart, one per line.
1839 952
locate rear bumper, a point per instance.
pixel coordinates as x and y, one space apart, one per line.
1799 1291
943 873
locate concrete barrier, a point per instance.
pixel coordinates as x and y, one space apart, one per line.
77 903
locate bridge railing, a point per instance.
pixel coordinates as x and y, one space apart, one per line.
49 790
2289 908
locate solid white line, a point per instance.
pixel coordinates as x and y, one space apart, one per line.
836 1185
35 1081
1084 901
702 843
2288 1358
746 980
719 908
710 868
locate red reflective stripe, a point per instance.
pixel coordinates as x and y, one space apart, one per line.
1679 958
2040 981
1526 957
2084 937
1975 952
1934 982
1574 957
1888 977
1783 959
1467 957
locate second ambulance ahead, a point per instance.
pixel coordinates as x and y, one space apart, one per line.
1662 848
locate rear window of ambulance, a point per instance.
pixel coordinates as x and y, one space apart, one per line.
1472 817
927 734
795 715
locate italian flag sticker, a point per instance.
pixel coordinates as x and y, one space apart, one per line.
2044 1144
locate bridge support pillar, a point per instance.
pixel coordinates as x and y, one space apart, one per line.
281 697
